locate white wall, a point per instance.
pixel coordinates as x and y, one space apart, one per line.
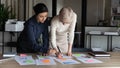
115 3
95 11
60 4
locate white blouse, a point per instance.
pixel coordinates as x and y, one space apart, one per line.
62 34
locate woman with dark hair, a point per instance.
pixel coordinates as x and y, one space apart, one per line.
34 37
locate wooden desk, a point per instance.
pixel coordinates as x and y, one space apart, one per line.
110 62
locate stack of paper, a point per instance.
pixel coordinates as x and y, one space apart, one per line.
111 33
100 54
95 32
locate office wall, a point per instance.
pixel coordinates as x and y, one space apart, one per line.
95 11
115 3
108 11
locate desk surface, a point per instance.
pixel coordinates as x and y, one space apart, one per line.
108 62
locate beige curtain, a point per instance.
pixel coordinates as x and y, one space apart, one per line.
18 7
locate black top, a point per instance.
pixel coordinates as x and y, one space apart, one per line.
28 39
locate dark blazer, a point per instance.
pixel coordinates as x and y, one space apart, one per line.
28 39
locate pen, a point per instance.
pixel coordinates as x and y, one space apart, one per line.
59 49
59 55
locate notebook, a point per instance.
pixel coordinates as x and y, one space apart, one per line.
99 54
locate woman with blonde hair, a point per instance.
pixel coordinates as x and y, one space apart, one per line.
62 31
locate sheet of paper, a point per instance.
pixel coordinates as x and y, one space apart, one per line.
88 60
67 61
65 56
42 57
79 55
54 56
25 60
82 56
45 61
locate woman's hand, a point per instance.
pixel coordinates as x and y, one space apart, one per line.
44 54
54 51
51 51
59 55
69 53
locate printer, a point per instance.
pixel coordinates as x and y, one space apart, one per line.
14 25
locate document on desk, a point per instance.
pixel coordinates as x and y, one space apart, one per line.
25 60
42 57
65 56
79 55
88 60
45 60
67 61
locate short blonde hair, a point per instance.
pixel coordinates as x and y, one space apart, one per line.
66 12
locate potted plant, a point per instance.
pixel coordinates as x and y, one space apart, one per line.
5 14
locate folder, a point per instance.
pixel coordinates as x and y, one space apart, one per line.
99 54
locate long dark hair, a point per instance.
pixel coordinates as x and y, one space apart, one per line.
40 8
